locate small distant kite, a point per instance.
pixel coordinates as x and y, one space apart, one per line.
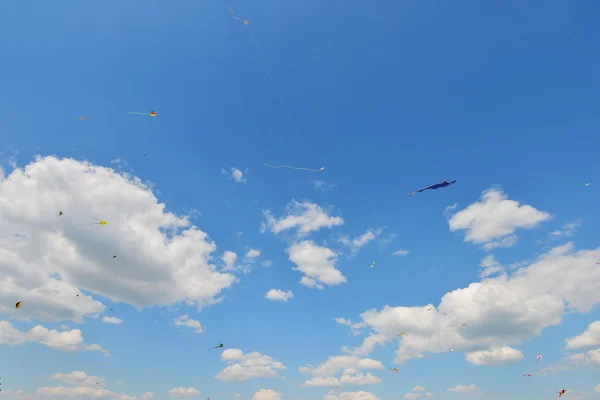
393 369
526 374
303 169
217 347
150 114
99 222
433 187
373 265
401 334
429 309
18 305
60 213
465 324
561 392
110 309
81 119
539 357
114 256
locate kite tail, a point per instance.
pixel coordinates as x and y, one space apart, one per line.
411 193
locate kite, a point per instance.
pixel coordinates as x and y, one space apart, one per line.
526 374
114 256
372 265
465 324
111 309
401 334
60 213
150 114
287 166
538 358
217 347
560 393
393 369
18 305
429 309
99 222
433 187
81 119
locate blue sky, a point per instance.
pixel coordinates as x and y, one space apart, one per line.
388 98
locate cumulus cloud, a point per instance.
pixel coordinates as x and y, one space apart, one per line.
76 393
489 266
589 338
78 378
496 356
335 364
352 396
112 320
358 242
68 341
229 258
185 320
400 252
500 311
235 174
47 259
252 254
463 389
243 367
279 295
316 263
183 392
355 328
494 220
358 378
323 186
591 359
597 389
266 394
568 229
305 217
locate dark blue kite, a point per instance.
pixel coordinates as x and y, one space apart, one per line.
433 187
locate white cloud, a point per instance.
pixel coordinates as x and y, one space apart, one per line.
243 367
168 260
355 328
359 378
490 267
360 241
183 392
335 364
266 263
112 320
568 229
500 311
306 217
323 186
413 396
229 258
185 320
236 395
463 389
322 381
316 263
266 394
494 220
68 341
589 338
352 396
252 254
236 174
448 210
279 295
496 356
76 393
78 378
597 389
147 396
400 252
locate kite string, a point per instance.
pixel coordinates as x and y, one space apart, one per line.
546 18
272 80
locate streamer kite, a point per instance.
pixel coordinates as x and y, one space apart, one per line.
433 187
287 166
217 347
99 222
561 392
150 114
